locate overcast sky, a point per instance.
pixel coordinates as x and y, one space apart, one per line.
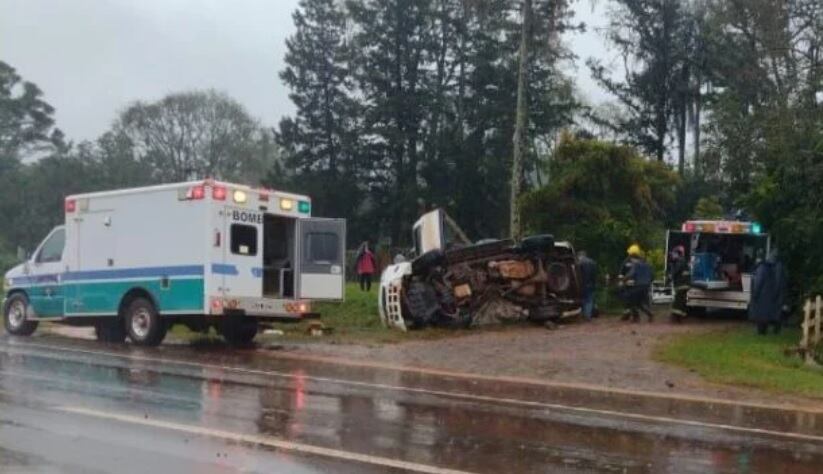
93 57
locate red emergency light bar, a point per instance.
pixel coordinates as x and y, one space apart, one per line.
722 227
218 193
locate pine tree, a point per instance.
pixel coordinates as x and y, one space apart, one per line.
394 40
649 34
320 140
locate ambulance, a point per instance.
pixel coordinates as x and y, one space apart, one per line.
722 257
134 262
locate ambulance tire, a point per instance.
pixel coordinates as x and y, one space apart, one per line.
144 325
239 333
111 330
14 316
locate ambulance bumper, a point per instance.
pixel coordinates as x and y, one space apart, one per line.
263 308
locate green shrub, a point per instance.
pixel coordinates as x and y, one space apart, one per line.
603 197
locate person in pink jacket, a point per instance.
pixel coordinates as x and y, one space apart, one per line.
366 266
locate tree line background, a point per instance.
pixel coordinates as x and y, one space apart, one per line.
406 105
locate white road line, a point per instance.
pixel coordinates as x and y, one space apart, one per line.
265 441
466 396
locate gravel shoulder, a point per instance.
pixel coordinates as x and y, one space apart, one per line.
606 352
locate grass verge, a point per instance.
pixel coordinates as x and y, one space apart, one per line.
739 356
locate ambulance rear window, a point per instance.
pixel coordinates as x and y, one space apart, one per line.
243 240
321 248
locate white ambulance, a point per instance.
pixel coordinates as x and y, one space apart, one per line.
134 262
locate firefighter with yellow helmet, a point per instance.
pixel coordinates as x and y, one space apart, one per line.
636 277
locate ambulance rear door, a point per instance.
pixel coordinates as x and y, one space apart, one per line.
321 247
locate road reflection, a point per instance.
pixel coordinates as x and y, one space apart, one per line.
414 426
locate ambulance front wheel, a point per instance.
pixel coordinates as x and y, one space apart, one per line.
15 316
144 325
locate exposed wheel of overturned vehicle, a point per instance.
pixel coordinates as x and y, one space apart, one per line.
428 308
560 277
539 243
427 261
421 301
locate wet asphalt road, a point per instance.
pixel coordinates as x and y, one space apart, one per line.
78 406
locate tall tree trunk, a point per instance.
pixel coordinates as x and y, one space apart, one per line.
521 122
698 99
684 103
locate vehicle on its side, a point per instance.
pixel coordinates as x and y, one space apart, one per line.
453 282
134 262
722 257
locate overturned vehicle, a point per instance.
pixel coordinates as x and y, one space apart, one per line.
455 283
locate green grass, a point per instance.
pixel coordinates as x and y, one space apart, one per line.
741 357
354 321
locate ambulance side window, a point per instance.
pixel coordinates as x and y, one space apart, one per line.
244 240
52 250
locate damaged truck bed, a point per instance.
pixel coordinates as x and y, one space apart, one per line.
456 283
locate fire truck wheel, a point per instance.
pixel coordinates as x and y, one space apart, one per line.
15 313
144 325
110 330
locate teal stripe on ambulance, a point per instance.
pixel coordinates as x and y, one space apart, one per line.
103 297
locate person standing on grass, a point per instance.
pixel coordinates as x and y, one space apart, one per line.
366 266
588 277
768 295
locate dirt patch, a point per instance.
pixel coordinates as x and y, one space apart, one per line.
606 352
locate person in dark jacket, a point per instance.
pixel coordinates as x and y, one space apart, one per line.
637 282
768 295
588 281
680 278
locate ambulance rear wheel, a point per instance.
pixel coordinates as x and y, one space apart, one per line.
144 325
239 333
15 316
110 330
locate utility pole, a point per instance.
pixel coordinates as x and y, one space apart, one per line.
521 122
